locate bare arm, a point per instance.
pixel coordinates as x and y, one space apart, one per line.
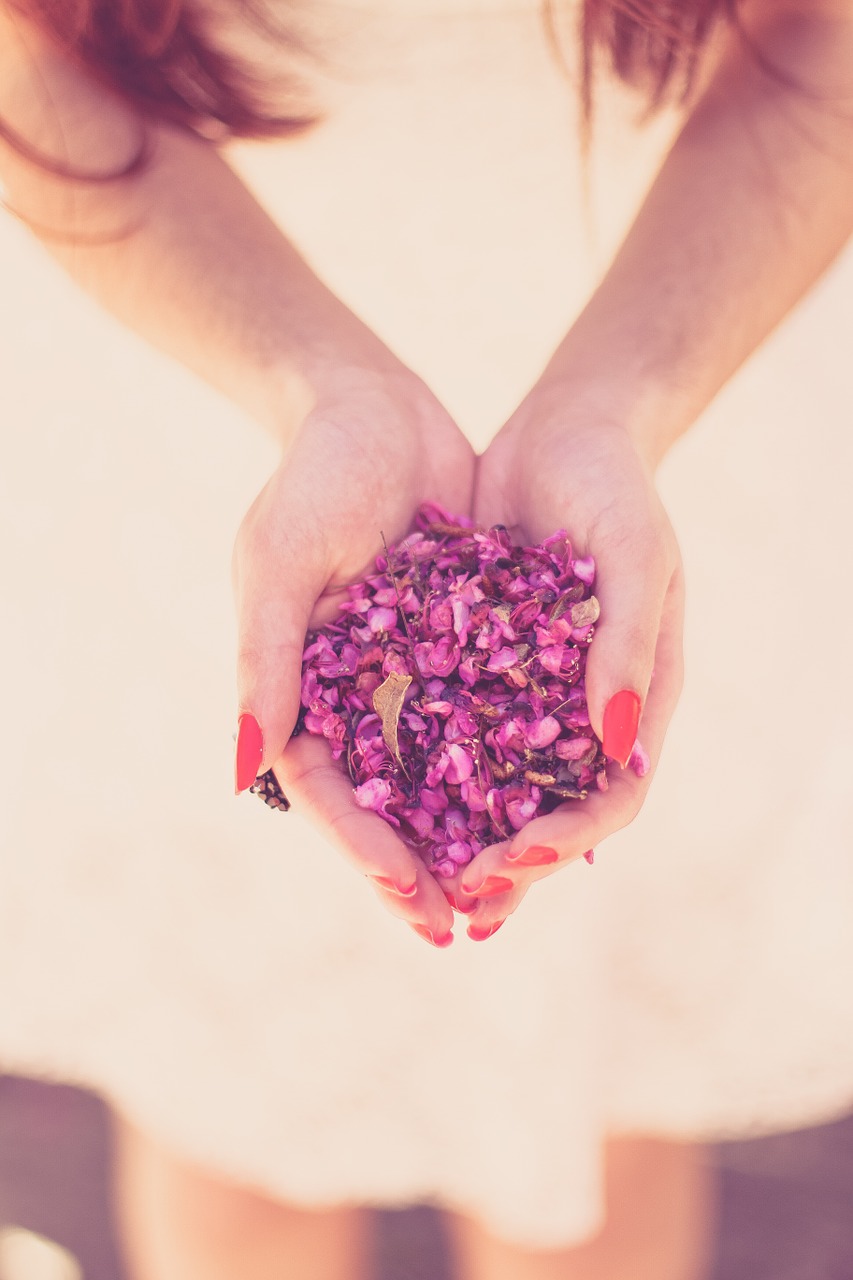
182 253
752 204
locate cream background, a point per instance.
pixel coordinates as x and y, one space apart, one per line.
219 971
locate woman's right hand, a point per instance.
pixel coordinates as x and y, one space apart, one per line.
375 446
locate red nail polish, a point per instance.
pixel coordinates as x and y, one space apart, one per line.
463 911
538 855
621 717
428 936
395 888
491 886
480 934
249 752
590 856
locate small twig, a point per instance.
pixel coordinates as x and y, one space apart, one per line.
391 575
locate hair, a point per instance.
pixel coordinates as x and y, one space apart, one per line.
172 64
653 45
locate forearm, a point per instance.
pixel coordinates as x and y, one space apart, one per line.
753 202
182 253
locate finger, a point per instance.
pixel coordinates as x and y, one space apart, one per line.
276 587
632 581
485 914
578 827
313 778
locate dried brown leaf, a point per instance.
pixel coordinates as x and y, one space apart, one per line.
567 793
388 703
540 779
585 612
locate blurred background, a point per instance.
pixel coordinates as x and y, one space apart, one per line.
787 1201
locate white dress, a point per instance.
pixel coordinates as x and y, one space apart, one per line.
213 966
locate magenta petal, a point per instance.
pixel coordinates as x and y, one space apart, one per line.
573 748
503 660
584 568
639 760
542 733
373 794
381 619
421 822
551 658
459 853
460 764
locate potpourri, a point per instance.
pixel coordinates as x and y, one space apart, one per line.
451 684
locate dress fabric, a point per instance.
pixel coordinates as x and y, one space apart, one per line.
218 970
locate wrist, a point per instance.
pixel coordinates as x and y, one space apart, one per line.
580 394
345 364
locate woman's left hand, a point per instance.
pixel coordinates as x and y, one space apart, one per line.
552 467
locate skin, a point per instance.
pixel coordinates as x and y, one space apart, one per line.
184 255
707 270
709 267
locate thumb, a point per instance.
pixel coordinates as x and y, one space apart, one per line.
274 613
631 589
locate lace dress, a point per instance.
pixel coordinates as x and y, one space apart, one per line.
217 969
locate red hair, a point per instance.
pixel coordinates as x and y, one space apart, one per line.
167 60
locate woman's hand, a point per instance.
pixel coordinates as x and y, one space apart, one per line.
551 468
374 446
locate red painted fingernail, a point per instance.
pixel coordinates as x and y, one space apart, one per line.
479 934
538 855
428 936
463 911
395 888
249 752
491 885
590 856
621 717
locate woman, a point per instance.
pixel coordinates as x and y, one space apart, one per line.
279 1051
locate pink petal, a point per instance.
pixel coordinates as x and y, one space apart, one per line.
639 760
584 568
542 733
373 794
503 660
460 765
382 619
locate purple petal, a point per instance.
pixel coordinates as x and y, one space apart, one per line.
460 765
639 760
584 568
380 620
573 748
373 794
503 660
542 733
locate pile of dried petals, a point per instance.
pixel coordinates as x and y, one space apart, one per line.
452 684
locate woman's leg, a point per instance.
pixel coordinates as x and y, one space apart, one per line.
661 1202
176 1222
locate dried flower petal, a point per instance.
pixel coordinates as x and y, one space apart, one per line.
451 685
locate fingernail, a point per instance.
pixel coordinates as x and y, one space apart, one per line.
538 855
463 911
428 936
491 885
590 856
621 717
249 752
479 934
395 888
